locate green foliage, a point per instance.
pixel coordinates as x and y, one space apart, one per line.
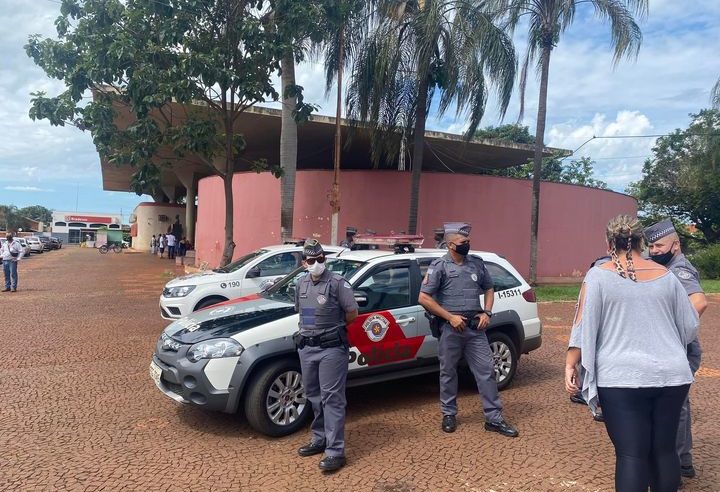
578 172
36 212
10 219
141 56
707 261
682 180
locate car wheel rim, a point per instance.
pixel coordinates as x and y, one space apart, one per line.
285 400
503 360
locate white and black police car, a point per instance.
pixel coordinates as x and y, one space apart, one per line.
240 354
246 275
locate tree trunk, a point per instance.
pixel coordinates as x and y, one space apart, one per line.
335 196
229 248
418 150
537 162
288 147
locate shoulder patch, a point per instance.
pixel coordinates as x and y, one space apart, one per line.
683 274
347 285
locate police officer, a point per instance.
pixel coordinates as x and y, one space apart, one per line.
349 240
664 247
451 290
326 305
440 242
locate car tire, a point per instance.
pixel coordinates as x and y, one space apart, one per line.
505 357
264 412
209 301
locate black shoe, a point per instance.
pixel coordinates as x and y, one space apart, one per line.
332 463
578 398
449 423
312 449
502 427
598 417
687 471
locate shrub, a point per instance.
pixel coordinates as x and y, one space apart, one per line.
707 261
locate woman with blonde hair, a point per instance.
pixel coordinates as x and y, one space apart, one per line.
630 333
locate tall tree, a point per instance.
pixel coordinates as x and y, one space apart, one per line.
715 95
37 212
418 50
682 179
546 21
143 56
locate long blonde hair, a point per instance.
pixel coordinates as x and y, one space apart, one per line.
624 233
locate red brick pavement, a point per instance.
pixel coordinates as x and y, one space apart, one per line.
79 412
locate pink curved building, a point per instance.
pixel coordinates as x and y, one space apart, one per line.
572 218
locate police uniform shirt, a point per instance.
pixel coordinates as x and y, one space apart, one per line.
457 288
686 274
322 305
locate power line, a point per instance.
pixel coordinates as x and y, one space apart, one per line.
639 136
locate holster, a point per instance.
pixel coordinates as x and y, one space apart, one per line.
298 340
435 324
330 339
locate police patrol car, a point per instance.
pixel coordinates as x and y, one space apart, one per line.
246 275
240 354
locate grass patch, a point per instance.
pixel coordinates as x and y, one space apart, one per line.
711 286
557 292
168 274
570 292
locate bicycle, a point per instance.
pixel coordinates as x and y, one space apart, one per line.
105 248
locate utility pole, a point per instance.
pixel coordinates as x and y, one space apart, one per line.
335 193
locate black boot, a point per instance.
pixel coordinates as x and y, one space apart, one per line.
449 423
502 427
312 449
332 463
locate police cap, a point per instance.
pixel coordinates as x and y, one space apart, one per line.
461 228
658 231
313 248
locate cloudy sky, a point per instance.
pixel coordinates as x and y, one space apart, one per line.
677 66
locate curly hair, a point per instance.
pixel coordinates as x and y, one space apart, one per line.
624 233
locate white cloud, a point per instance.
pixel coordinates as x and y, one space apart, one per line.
26 188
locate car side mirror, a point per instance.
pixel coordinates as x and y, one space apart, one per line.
361 298
254 272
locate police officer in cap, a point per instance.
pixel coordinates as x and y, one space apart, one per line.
664 247
451 290
440 242
326 305
349 241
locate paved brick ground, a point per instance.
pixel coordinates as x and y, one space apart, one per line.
79 412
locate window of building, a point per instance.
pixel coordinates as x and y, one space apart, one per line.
60 224
97 226
114 226
77 224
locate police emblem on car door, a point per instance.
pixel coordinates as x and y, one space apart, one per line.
385 332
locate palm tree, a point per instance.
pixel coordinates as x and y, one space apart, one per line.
419 49
547 20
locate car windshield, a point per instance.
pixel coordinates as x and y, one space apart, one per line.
240 262
284 290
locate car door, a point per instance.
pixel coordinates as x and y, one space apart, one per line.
268 269
386 330
506 286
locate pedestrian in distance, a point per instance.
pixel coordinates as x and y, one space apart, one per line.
630 334
170 246
451 292
326 304
664 247
153 244
349 241
162 242
11 253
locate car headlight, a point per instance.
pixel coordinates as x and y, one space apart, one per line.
214 349
180 291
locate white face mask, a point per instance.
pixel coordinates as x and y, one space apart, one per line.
316 269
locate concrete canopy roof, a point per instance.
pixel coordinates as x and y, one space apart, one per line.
260 127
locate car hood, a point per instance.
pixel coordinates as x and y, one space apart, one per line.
227 319
195 279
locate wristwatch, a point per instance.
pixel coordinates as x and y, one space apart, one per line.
489 313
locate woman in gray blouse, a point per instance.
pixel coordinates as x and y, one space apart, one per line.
630 333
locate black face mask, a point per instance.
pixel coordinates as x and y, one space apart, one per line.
662 258
462 249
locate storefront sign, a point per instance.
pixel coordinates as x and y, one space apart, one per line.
84 218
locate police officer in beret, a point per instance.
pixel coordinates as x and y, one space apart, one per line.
326 305
664 247
451 290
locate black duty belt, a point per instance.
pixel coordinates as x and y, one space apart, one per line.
324 340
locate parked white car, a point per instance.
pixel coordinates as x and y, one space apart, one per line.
241 355
244 276
36 246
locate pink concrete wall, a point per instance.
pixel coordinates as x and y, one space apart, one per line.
571 225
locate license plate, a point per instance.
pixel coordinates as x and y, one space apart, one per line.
155 372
